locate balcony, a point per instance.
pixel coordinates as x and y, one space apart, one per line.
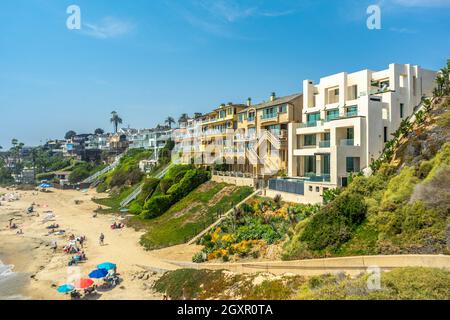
351 113
324 144
318 178
311 124
347 142
269 117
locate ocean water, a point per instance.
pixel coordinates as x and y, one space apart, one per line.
11 283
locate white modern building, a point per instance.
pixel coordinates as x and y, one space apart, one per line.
347 118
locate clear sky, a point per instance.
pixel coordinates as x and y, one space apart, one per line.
151 59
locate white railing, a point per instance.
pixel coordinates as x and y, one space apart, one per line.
112 166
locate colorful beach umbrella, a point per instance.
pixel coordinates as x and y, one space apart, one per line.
83 283
98 274
107 266
65 288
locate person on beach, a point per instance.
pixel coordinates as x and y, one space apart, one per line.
102 239
54 246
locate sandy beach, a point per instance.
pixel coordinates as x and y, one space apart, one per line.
31 254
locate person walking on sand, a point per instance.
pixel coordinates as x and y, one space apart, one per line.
102 239
54 246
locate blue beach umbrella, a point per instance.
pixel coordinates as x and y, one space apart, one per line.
107 266
65 288
45 185
98 274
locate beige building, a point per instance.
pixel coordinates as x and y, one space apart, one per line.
262 135
347 118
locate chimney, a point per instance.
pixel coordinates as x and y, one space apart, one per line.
273 97
249 102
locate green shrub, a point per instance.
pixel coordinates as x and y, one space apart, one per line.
198 257
191 180
148 189
156 206
135 208
247 208
333 224
401 186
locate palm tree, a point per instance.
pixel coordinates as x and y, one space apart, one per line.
169 121
115 120
183 118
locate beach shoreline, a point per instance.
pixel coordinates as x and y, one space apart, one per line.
31 252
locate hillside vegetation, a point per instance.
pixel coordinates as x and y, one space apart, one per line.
189 215
399 284
402 208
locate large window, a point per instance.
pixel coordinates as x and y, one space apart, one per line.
352 111
350 133
326 164
312 118
352 164
269 113
332 114
309 140
310 165
282 108
353 92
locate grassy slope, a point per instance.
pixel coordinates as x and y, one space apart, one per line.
399 284
113 202
190 215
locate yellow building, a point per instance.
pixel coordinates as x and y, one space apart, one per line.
262 133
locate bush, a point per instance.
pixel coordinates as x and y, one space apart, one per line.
198 257
79 173
333 224
247 208
191 180
156 206
135 208
148 189
118 179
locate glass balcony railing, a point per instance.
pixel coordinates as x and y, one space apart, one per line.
269 116
311 124
324 144
251 119
351 113
347 142
318 178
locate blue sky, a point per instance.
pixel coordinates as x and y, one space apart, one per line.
151 59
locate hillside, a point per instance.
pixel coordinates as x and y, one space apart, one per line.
402 208
399 284
190 215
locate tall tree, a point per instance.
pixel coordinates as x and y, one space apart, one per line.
115 120
183 118
169 121
70 134
99 131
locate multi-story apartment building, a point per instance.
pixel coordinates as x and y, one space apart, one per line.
152 139
266 122
215 141
347 118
